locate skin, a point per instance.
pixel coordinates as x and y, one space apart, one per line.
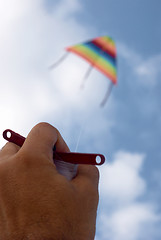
36 202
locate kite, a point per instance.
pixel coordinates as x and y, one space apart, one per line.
100 52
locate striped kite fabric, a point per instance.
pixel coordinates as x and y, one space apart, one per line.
101 53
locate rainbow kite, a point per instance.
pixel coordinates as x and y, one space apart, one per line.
101 54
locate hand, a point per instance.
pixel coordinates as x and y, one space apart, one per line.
36 202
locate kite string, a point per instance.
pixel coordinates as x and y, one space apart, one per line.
85 121
80 134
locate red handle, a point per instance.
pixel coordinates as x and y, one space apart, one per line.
71 157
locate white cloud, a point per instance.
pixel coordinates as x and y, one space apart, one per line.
129 223
123 216
120 180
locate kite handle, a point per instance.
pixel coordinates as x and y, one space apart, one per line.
71 157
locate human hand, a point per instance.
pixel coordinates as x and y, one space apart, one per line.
36 202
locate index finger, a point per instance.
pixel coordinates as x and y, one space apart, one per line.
9 149
42 139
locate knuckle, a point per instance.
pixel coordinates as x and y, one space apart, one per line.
44 125
44 128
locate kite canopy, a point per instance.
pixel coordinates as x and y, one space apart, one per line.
101 53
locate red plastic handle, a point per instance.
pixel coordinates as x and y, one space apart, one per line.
71 157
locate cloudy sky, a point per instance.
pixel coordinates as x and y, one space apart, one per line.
33 35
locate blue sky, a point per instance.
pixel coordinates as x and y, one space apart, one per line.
127 131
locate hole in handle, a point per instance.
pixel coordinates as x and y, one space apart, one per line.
8 134
98 159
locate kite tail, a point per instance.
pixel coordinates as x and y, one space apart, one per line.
86 75
59 61
107 95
